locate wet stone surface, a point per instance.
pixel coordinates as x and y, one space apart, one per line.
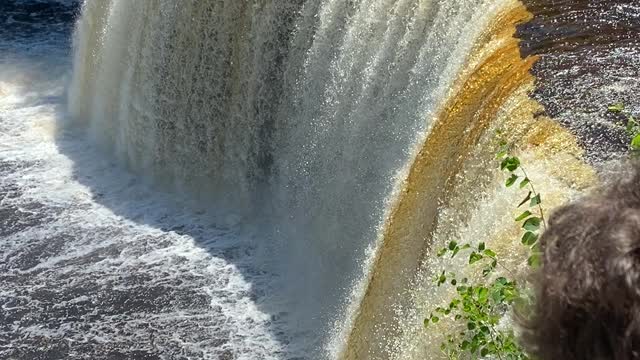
589 58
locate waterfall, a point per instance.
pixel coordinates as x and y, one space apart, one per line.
300 118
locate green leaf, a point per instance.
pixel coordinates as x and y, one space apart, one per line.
511 163
435 319
452 245
442 252
489 253
524 215
501 154
484 352
455 251
536 248
532 224
474 257
483 294
529 238
442 279
536 200
481 246
524 182
616 108
487 271
635 142
525 199
474 346
511 180
534 260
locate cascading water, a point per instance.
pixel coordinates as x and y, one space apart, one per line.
299 114
312 153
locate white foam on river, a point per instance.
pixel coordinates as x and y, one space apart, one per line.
92 260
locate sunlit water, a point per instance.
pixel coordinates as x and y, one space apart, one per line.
223 175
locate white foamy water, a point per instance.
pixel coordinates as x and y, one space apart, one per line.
94 263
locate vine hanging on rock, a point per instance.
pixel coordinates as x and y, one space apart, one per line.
479 305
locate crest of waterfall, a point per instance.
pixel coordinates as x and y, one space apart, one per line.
302 117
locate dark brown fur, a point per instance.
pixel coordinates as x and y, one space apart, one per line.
588 291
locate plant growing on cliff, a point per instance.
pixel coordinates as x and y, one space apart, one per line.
479 305
632 127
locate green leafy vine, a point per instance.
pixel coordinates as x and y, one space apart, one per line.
479 305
